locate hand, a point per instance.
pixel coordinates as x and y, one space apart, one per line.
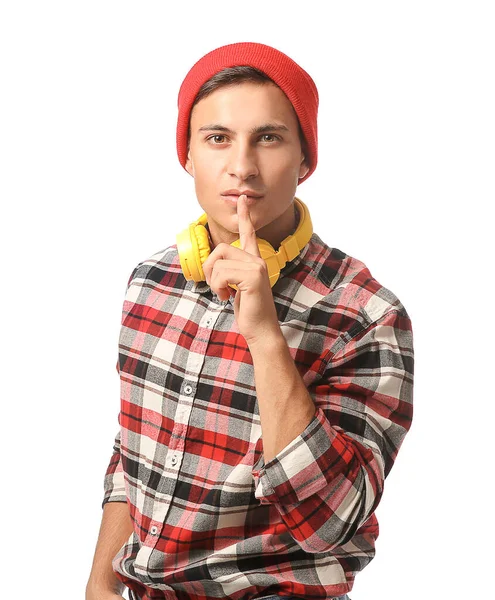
254 308
93 593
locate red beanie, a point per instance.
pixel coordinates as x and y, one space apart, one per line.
297 85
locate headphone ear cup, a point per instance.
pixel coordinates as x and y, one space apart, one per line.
193 246
204 250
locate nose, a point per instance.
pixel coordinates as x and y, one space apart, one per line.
242 161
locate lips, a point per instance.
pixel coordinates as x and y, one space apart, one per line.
233 199
236 192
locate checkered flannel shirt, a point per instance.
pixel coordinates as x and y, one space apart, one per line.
211 519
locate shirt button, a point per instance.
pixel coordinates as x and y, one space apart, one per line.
188 389
153 530
174 460
208 322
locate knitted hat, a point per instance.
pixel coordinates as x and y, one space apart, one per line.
297 85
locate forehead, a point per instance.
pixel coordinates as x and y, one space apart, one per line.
244 105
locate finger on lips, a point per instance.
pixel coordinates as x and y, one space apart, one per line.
247 236
247 233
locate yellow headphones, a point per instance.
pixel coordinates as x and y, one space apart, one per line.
193 246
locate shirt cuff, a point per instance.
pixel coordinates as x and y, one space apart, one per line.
114 482
315 458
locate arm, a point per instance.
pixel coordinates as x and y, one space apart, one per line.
116 527
328 479
116 524
285 405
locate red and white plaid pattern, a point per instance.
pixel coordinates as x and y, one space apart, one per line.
211 519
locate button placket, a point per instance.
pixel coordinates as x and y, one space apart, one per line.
176 446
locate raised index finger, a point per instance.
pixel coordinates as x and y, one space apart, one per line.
247 233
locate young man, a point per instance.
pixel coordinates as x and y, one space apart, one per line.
266 386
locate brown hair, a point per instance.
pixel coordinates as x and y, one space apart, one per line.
235 76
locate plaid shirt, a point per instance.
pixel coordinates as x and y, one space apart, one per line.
211 519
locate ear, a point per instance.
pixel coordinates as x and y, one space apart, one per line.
188 165
303 168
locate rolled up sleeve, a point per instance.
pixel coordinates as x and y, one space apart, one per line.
113 483
329 480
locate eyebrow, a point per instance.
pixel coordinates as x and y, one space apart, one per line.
258 129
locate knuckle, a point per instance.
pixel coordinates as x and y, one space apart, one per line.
260 269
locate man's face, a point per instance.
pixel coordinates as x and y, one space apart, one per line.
246 137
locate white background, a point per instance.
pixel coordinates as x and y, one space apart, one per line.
91 185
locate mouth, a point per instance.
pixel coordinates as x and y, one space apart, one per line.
233 199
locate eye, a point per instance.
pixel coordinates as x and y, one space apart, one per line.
274 138
215 137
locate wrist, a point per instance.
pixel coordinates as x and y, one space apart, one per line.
268 342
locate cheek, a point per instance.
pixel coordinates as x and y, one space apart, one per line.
207 166
282 164
285 175
204 173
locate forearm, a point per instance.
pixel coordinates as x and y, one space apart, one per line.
328 484
285 406
116 527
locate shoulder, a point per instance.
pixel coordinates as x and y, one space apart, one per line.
347 287
156 268
348 302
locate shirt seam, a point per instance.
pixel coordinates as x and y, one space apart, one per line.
330 354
